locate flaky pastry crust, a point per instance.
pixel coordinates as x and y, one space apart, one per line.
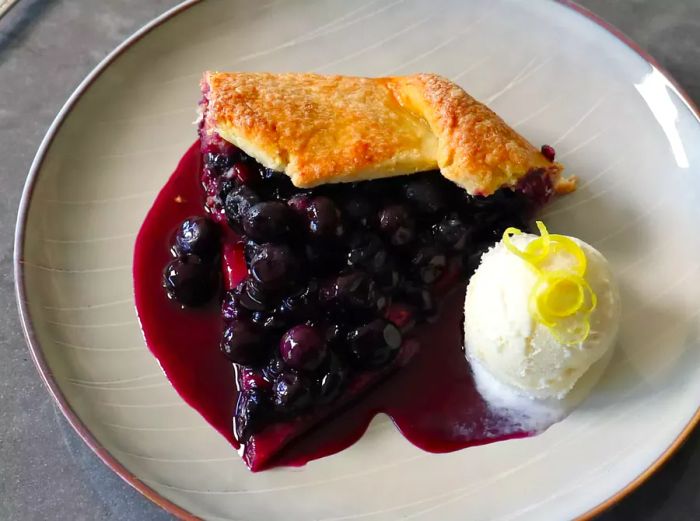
322 129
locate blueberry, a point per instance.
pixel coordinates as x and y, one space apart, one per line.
300 204
491 232
548 152
425 194
276 185
243 344
238 203
335 336
250 250
291 393
268 321
225 187
249 378
506 203
321 258
273 369
302 304
252 412
359 209
374 344
231 307
217 162
367 251
198 236
429 263
303 348
351 290
323 219
274 267
268 174
452 234
191 281
332 380
268 221
397 224
251 296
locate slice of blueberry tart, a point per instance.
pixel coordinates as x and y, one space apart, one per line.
343 210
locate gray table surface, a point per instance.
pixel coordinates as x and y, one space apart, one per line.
46 48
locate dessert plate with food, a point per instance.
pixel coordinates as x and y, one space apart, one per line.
416 275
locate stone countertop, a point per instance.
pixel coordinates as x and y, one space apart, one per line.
46 48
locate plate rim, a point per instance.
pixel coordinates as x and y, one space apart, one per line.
36 352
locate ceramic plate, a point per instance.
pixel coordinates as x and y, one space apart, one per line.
557 76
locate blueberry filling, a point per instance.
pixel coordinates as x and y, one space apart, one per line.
336 275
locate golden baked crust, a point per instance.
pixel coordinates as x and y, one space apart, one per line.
327 129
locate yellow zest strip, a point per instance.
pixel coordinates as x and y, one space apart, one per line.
536 251
566 244
561 299
574 333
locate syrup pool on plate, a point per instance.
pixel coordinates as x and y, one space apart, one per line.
433 401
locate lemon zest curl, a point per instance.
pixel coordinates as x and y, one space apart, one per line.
561 299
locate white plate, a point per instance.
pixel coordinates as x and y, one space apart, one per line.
555 75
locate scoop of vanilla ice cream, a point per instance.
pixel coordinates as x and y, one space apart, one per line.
502 335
